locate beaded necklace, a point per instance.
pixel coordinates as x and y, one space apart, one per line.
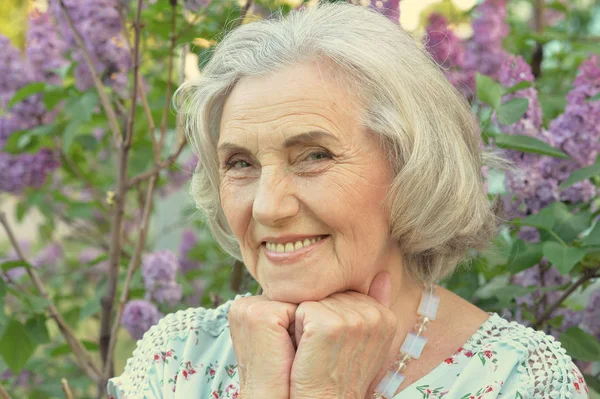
411 348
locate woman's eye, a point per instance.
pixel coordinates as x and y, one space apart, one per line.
318 155
236 164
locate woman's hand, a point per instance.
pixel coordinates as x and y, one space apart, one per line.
260 332
344 343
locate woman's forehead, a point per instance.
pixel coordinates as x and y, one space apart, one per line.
300 98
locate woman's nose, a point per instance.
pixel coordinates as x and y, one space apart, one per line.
275 202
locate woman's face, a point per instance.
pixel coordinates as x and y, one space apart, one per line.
295 165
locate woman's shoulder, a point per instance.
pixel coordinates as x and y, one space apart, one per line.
542 365
176 338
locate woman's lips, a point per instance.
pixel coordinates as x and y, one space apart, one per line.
287 257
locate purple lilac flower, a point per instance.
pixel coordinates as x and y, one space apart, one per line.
199 287
22 170
44 48
16 272
512 71
389 8
169 293
443 45
88 255
25 378
49 257
15 72
158 267
26 170
577 130
484 52
196 5
448 50
189 240
159 270
591 314
138 316
179 177
99 23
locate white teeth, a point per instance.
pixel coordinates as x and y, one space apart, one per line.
291 246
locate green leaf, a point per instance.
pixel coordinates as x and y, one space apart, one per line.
488 90
568 225
544 219
16 355
524 84
71 131
12 264
37 330
592 382
524 255
90 308
527 144
25 92
82 108
593 237
581 174
565 258
53 95
580 345
512 110
506 294
594 98
65 349
36 304
30 140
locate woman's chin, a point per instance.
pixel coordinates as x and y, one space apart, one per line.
294 295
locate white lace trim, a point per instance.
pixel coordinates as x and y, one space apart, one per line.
133 382
546 371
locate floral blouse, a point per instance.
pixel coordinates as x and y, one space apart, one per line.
189 355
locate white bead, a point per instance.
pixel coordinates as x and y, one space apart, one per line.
429 305
389 384
413 345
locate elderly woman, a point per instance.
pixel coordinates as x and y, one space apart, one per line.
338 163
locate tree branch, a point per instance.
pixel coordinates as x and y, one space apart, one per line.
133 265
158 167
163 123
3 393
588 274
110 112
119 207
66 388
81 355
538 53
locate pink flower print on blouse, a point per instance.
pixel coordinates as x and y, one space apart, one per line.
232 391
211 370
431 393
481 392
579 382
164 356
231 370
188 370
488 355
217 394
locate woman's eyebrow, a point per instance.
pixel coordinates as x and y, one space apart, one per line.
302 138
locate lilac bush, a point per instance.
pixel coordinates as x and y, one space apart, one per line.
138 316
159 270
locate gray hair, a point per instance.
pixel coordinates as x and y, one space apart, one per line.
438 205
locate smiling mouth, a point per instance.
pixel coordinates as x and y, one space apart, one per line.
271 249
